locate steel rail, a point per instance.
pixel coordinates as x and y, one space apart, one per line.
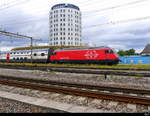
123 69
79 92
79 85
145 73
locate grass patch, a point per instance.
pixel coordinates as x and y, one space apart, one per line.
132 67
51 72
112 76
139 76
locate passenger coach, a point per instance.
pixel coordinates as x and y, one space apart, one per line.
38 56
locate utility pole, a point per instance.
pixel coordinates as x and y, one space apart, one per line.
19 36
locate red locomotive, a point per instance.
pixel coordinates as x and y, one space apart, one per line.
91 55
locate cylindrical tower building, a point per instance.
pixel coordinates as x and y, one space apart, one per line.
65 25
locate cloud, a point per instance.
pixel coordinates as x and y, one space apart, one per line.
31 18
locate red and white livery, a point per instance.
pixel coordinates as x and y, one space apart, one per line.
96 55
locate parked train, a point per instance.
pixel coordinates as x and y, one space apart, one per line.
90 55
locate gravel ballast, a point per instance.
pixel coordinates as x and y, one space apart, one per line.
93 79
105 105
12 106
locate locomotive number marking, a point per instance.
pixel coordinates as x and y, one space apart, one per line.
91 54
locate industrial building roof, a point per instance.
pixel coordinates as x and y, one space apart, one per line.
146 50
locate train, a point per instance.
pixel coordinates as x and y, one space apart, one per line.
89 55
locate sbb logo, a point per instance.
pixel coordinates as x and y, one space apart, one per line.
91 54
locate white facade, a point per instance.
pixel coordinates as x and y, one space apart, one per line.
65 25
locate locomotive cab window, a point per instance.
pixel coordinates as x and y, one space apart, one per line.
109 52
53 53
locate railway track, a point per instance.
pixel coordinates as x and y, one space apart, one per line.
78 85
141 73
81 90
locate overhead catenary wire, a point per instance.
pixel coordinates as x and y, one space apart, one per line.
11 5
113 7
4 4
91 26
30 20
118 22
104 9
98 25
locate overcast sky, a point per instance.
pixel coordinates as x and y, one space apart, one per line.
104 22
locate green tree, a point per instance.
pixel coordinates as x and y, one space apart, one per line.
130 52
121 53
127 52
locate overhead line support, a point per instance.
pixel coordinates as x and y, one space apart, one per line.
18 36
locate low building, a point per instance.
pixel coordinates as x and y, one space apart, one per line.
146 51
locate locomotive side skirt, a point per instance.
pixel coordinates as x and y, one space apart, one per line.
109 62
